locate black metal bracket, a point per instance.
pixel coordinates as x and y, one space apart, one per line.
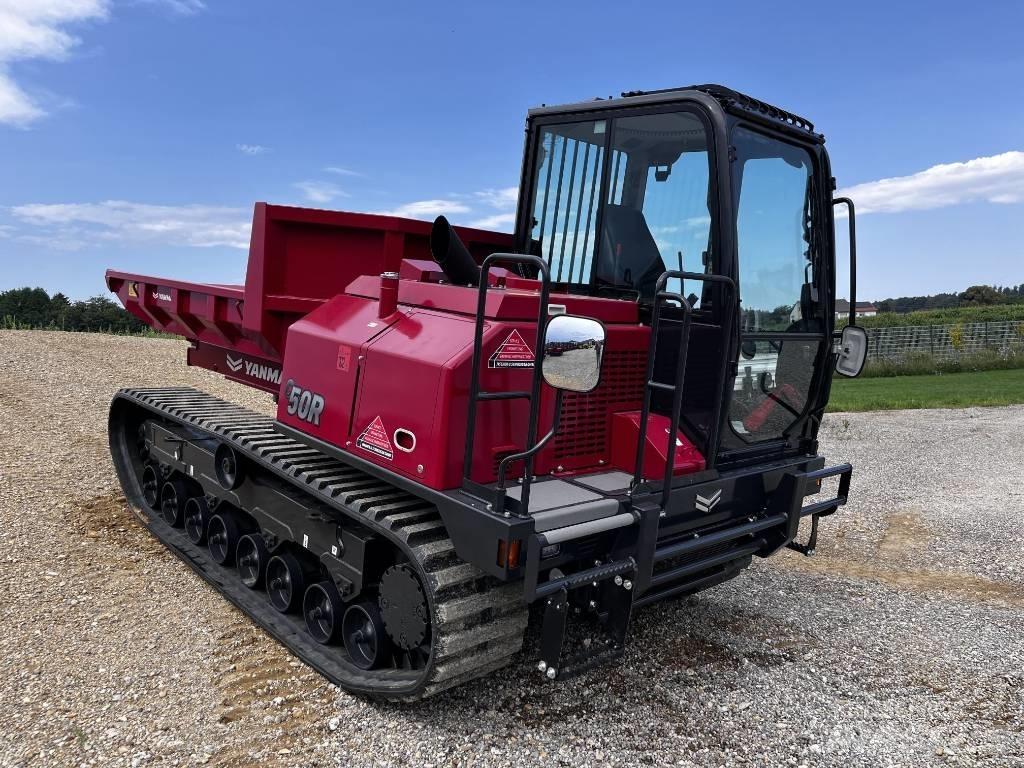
616 591
788 500
807 549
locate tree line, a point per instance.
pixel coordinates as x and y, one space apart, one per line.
35 308
975 296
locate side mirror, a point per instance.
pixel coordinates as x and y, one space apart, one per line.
573 348
853 351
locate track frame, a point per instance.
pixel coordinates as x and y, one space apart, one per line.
477 624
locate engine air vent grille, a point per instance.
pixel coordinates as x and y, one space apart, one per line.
586 418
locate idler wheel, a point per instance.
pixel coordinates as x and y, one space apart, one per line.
228 467
403 607
252 556
173 496
222 535
197 517
286 582
323 609
363 633
151 487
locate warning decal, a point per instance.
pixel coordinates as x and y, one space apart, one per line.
513 352
375 440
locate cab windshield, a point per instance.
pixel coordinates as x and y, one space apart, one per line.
652 173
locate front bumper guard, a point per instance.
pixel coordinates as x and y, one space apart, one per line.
629 580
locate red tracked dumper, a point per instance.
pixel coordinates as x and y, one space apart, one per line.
582 414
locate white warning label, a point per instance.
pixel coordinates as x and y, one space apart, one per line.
513 352
375 440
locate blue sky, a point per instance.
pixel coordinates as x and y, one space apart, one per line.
138 134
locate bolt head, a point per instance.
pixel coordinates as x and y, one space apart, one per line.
542 666
551 673
618 581
627 584
419 468
593 604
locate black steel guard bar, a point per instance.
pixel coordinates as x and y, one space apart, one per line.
660 296
499 496
756 536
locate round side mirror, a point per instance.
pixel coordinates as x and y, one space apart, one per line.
573 348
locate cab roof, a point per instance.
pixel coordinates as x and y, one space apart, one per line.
730 100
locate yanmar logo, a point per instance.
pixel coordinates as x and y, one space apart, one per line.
268 373
161 296
707 503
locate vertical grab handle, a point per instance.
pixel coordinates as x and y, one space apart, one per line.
474 386
852 219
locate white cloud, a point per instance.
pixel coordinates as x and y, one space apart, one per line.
428 209
506 197
73 225
36 30
995 179
320 192
501 222
338 170
182 7
252 149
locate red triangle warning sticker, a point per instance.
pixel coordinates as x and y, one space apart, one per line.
513 352
375 440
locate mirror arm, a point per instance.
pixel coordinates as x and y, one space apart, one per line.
852 219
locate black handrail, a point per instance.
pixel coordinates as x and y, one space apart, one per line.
852 219
660 295
533 395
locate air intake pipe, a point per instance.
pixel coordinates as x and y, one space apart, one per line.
452 255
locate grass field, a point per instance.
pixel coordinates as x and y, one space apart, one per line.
952 390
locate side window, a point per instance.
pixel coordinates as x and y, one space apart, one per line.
565 201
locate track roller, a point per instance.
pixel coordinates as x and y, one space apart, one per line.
151 487
222 535
197 517
251 556
173 496
286 582
323 609
364 635
228 467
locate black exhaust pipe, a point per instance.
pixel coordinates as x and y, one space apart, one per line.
452 255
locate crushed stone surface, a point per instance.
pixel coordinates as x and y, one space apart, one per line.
901 643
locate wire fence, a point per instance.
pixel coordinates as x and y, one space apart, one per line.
946 342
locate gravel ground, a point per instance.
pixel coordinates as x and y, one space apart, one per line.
900 644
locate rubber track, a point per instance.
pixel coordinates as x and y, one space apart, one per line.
478 622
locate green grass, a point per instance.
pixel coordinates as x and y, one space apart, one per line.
950 390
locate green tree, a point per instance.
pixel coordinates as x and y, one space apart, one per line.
26 306
979 295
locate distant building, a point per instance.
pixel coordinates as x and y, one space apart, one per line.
864 308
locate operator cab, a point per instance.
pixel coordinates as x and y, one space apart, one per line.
704 180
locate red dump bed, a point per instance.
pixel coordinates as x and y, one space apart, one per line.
298 259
